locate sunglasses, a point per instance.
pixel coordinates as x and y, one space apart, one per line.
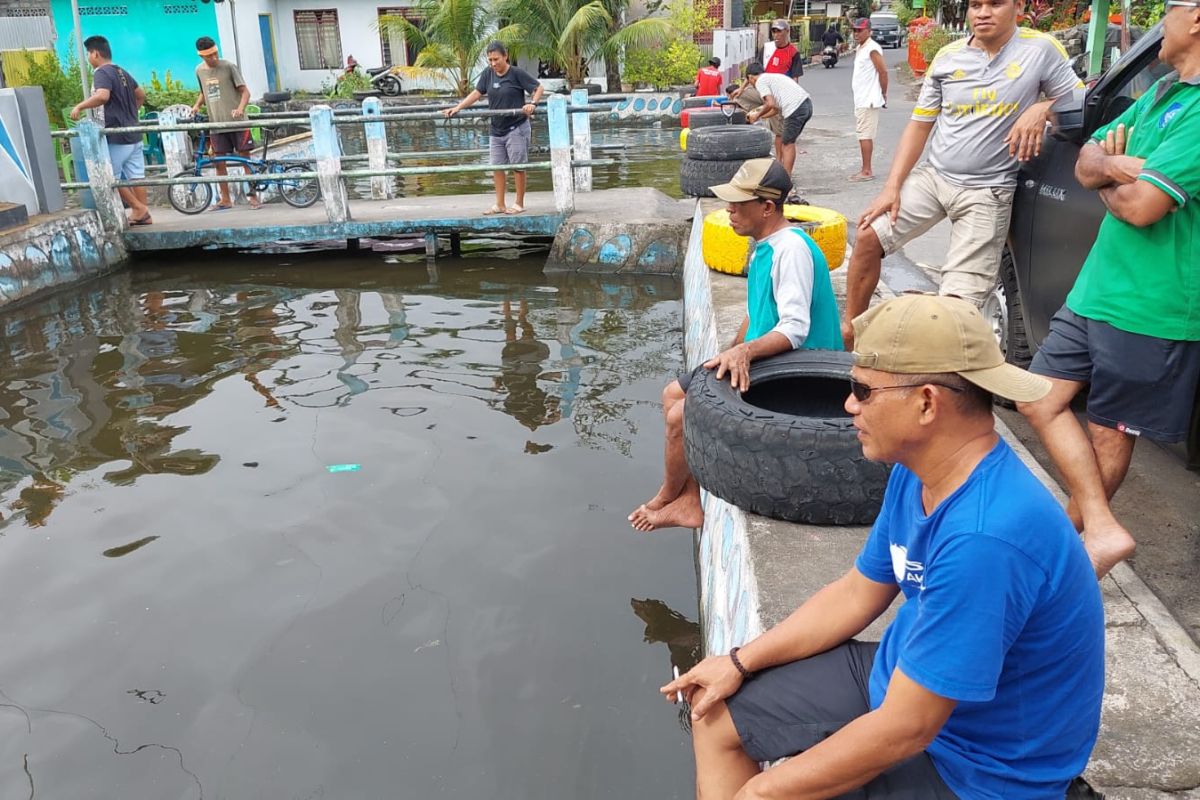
862 392
1183 3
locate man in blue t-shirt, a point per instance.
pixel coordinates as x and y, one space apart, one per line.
988 682
789 305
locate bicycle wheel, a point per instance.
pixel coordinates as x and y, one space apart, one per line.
190 198
299 192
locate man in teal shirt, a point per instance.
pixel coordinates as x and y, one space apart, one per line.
789 305
1131 324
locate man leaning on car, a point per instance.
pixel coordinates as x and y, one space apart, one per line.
1131 324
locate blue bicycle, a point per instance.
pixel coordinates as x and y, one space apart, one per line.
194 198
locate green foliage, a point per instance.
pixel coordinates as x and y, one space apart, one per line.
931 39
167 92
567 34
452 37
676 64
1145 13
61 88
340 85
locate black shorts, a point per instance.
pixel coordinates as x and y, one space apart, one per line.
1140 385
787 709
793 125
226 142
686 377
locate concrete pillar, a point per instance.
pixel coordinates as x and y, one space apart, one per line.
381 186
176 145
329 163
581 134
560 154
100 175
455 244
431 245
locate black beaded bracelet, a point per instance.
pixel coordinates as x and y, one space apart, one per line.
746 674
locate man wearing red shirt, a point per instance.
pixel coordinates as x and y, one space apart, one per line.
708 79
780 55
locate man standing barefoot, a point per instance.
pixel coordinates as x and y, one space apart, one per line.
870 85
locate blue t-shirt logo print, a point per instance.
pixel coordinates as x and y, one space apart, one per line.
1170 114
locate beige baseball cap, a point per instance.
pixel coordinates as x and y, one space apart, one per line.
761 178
924 333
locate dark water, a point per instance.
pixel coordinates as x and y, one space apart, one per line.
195 605
642 156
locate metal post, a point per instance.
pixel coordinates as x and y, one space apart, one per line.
83 62
100 176
560 155
381 187
431 245
581 133
237 50
175 145
1097 35
328 156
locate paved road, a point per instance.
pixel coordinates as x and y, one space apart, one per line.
1160 501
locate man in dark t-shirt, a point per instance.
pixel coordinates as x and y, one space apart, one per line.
115 90
505 87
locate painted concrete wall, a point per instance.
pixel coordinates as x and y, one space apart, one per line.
146 35
55 250
728 587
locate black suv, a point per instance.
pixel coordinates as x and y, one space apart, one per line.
1055 220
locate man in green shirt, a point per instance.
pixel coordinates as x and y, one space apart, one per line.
223 92
1131 324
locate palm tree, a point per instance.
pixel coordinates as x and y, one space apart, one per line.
453 37
570 33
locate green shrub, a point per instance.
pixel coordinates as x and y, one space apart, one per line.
931 42
61 88
674 65
167 92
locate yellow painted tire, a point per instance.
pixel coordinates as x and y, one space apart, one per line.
683 139
725 251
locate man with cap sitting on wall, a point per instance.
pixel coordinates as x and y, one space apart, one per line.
988 682
789 304
708 79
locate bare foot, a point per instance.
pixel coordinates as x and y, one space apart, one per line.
684 511
1108 546
660 500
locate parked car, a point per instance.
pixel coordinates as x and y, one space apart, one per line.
887 30
1055 220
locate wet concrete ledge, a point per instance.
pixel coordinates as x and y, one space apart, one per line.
754 571
55 250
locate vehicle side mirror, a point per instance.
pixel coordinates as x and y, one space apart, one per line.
1068 113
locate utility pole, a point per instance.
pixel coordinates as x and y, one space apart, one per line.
237 50
83 73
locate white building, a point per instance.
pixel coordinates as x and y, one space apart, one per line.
303 44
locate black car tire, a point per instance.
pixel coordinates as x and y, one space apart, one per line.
696 102
730 142
1016 346
276 97
705 118
805 467
696 176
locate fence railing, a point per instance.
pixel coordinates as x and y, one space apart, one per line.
570 162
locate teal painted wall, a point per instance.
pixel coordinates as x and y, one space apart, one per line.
145 35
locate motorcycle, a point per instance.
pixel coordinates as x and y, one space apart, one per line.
829 57
386 80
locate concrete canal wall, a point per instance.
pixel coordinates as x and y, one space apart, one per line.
54 250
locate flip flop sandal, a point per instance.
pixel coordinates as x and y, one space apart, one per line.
515 210
861 178
219 207
143 221
493 210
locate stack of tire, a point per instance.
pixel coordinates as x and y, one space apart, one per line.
715 152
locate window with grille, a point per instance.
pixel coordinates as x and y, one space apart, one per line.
318 39
394 48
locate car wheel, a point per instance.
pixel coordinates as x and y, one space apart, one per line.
1015 336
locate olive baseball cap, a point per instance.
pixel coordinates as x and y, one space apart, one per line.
758 178
924 333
